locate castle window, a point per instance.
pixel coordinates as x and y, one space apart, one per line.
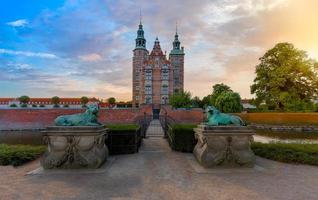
164 89
148 89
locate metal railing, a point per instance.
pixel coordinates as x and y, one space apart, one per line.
143 121
165 122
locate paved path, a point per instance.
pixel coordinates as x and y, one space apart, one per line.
158 173
155 129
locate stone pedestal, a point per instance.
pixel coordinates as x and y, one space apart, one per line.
224 146
73 147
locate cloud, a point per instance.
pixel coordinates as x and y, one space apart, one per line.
18 23
93 57
27 53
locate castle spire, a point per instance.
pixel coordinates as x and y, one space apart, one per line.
140 40
176 43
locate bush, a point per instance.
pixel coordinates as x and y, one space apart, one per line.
34 105
42 105
180 100
13 105
19 154
181 137
24 105
288 152
56 106
123 138
66 106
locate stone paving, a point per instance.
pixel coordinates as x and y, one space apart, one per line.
156 172
155 129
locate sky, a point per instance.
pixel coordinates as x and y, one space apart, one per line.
74 48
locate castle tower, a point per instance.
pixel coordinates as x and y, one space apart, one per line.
140 55
176 58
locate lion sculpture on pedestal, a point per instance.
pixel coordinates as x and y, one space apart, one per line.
216 118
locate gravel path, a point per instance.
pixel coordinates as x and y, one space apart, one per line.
156 172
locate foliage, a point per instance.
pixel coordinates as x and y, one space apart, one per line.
123 127
42 105
181 137
111 100
218 89
24 105
287 135
123 138
66 106
286 79
288 152
206 101
229 102
19 154
55 100
196 102
84 100
181 99
280 118
24 99
13 105
34 105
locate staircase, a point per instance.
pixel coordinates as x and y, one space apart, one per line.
155 129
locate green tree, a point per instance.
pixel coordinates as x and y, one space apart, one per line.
196 102
84 101
180 100
286 79
111 100
55 101
24 99
206 101
218 89
229 102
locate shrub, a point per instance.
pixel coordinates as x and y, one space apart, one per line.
181 137
24 99
229 102
66 106
19 154
42 105
56 106
24 105
13 105
84 101
123 138
180 99
288 152
34 105
56 101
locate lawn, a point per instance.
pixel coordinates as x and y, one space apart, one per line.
288 135
19 154
288 152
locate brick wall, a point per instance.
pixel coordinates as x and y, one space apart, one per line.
39 118
193 116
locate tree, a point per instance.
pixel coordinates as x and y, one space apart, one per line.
84 101
111 100
24 99
229 102
286 79
206 101
56 101
196 102
181 99
218 89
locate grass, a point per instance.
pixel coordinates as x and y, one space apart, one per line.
280 118
288 152
288 135
17 155
123 127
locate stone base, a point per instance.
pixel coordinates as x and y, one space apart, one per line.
75 147
224 146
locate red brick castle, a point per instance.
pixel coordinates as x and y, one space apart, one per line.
155 77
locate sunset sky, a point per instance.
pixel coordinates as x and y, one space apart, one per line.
75 48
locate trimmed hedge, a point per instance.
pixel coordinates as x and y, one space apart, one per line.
287 135
19 154
288 152
181 137
123 138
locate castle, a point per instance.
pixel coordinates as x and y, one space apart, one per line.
155 77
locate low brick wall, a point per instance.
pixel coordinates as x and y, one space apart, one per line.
192 116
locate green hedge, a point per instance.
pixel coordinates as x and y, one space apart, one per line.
181 137
19 154
123 138
288 152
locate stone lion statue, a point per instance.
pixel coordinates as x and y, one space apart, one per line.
216 118
88 118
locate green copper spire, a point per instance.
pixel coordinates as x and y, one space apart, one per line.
176 44
140 40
